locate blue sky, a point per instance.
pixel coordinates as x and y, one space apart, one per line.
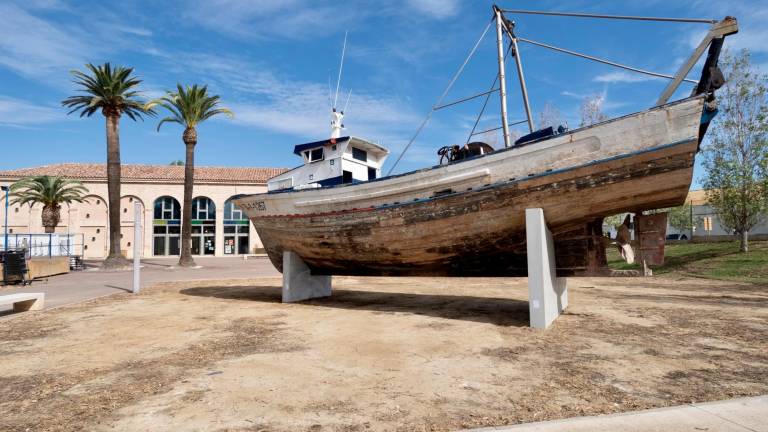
271 61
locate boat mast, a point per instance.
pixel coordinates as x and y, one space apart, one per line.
337 117
503 24
502 80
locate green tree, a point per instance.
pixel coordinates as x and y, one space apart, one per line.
614 220
51 192
113 91
591 110
177 162
682 219
736 154
549 116
189 106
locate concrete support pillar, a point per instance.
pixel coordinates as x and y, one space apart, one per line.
298 283
547 293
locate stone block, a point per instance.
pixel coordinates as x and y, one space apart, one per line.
547 293
298 281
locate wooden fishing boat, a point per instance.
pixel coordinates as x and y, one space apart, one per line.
467 217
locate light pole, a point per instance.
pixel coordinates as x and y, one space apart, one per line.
5 241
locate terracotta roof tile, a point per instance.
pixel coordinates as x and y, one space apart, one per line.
154 173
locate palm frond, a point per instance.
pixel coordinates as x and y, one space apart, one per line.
106 88
47 190
189 105
168 120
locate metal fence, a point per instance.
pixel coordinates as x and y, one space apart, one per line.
45 245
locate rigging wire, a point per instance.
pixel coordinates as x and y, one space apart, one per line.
468 98
497 128
487 98
341 66
620 17
493 89
347 102
442 96
599 60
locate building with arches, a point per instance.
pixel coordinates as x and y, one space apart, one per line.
219 228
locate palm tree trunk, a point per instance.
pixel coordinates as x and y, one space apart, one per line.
185 260
50 217
115 258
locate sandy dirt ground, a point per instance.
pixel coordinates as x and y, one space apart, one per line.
381 354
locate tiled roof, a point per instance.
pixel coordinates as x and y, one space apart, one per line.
152 173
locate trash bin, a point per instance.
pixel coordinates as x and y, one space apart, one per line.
15 267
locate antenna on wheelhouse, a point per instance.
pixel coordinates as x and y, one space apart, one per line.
337 116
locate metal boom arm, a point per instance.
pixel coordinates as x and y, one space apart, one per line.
720 29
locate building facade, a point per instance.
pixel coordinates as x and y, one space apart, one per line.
707 225
219 228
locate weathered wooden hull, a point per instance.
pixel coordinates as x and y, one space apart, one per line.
479 229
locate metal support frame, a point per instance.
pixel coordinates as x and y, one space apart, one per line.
720 29
502 79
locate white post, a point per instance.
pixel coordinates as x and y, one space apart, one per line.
547 293
299 283
137 245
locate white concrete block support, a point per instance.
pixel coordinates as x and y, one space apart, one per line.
547 293
298 283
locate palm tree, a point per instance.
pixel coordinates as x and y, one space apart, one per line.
49 191
111 90
189 106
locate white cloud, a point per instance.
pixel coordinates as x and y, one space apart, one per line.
575 95
17 112
621 77
300 19
292 19
263 99
34 48
436 8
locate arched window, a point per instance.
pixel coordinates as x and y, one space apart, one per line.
236 230
166 226
203 226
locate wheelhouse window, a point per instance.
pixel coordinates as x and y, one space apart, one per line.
314 155
360 155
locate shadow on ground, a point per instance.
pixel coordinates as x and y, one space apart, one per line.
498 311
